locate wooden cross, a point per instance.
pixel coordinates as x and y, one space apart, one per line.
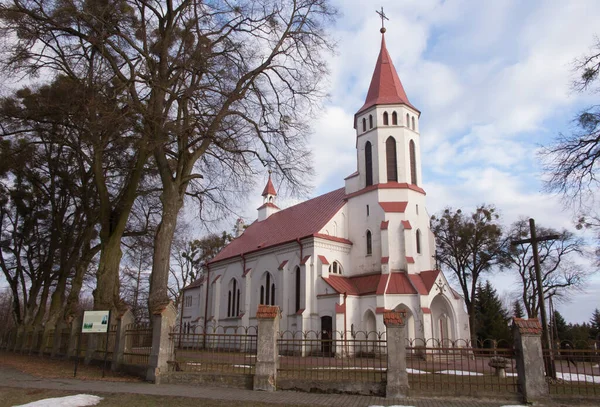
383 17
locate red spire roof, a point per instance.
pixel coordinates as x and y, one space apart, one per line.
386 87
269 188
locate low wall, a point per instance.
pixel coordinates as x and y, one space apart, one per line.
347 387
220 380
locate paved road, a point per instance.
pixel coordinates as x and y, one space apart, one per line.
10 377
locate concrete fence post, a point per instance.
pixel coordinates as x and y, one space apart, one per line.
265 378
530 359
397 377
123 320
74 337
163 320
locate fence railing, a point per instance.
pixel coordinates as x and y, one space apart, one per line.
102 346
577 372
229 350
138 344
313 355
461 370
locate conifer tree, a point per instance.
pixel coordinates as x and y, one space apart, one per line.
518 309
595 325
491 318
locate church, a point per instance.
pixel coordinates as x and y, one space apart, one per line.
337 262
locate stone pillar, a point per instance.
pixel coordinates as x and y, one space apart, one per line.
163 320
265 378
74 337
397 377
123 320
530 360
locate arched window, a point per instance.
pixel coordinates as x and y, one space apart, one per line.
267 290
370 121
413 122
418 237
298 286
385 118
233 299
335 267
413 163
390 156
369 243
368 163
364 124
407 120
395 118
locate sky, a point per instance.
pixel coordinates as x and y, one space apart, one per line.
493 83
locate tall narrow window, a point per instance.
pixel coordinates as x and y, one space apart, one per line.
262 294
413 163
272 294
364 124
418 241
369 243
267 290
298 282
395 119
237 304
233 299
385 118
390 156
229 304
368 212
370 121
368 164
413 122
407 120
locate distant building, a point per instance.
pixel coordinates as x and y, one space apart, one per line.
339 260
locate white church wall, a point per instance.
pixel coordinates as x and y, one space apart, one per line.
361 222
338 225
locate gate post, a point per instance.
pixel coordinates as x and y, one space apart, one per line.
163 320
530 359
123 320
397 377
265 378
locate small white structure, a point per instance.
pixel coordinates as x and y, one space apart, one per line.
338 261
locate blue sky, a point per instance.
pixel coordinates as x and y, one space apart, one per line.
493 83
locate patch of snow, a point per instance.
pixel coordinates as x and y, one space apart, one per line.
79 400
416 371
574 377
242 366
347 368
520 405
596 365
395 405
459 373
510 374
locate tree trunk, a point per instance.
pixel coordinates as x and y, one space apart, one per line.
106 293
172 202
77 282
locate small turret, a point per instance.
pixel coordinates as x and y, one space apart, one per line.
268 207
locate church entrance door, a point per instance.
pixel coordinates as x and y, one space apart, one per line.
326 336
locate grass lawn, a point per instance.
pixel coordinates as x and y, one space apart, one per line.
12 396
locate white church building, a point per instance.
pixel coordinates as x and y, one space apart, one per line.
337 262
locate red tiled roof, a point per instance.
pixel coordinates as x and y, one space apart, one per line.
387 185
410 260
385 224
417 282
268 204
332 238
383 279
385 260
296 222
340 308
426 310
359 285
428 278
528 326
399 284
406 224
323 259
385 87
304 260
398 207
381 310
269 188
196 283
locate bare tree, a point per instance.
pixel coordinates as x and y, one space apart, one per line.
560 275
468 245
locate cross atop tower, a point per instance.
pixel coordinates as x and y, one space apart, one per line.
383 18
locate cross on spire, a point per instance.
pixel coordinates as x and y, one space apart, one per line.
383 18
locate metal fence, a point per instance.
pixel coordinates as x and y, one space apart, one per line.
229 350
102 346
577 371
458 368
49 342
138 344
314 355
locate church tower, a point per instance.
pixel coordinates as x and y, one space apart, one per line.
268 207
386 190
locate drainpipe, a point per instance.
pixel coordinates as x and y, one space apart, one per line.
243 272
206 304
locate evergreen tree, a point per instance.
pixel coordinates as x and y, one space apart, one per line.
559 327
518 309
491 318
595 325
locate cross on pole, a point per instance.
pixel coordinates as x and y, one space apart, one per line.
534 240
383 17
